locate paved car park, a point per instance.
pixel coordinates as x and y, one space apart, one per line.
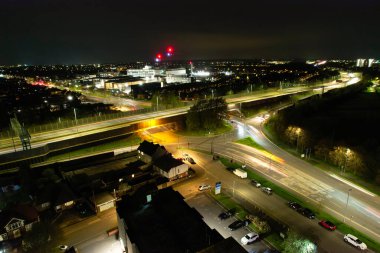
210 210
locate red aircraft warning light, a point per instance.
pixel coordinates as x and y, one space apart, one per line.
169 51
158 57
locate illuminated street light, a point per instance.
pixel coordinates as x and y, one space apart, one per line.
70 98
347 154
298 131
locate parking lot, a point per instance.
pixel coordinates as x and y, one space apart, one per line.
210 210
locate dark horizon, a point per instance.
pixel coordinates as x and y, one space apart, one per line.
41 32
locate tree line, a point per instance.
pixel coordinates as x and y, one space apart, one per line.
339 128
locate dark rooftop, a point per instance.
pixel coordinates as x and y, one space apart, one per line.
149 148
229 245
167 224
167 162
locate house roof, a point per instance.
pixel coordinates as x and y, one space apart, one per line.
63 194
27 212
167 162
167 222
149 148
22 212
229 245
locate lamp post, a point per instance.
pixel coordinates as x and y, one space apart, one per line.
298 131
347 153
345 210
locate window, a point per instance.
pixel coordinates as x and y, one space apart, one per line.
15 225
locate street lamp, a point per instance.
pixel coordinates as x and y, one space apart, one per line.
348 152
298 131
345 210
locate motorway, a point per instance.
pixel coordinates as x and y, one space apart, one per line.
9 145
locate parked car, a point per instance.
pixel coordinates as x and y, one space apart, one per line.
83 209
249 238
266 190
294 205
227 214
306 212
238 224
327 224
354 241
191 160
255 183
204 187
230 169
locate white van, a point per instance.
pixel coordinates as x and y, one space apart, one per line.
240 173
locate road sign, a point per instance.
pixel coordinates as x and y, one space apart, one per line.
218 187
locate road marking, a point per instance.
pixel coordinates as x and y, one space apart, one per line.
93 222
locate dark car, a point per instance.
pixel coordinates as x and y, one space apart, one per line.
266 190
294 205
255 183
72 249
306 212
238 224
227 214
190 160
230 169
327 224
83 209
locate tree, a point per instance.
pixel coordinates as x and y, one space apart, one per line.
41 239
296 243
165 100
207 114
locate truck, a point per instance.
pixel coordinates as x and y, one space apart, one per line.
240 173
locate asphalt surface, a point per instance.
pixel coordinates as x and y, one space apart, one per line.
273 205
328 192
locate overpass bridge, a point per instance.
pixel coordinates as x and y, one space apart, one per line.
10 149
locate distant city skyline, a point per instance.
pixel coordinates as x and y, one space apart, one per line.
88 31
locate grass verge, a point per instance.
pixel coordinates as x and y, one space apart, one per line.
221 130
250 142
123 143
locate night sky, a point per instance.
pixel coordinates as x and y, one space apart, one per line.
116 31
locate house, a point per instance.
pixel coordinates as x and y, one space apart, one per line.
43 199
153 221
148 151
17 220
58 196
170 167
64 198
103 201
